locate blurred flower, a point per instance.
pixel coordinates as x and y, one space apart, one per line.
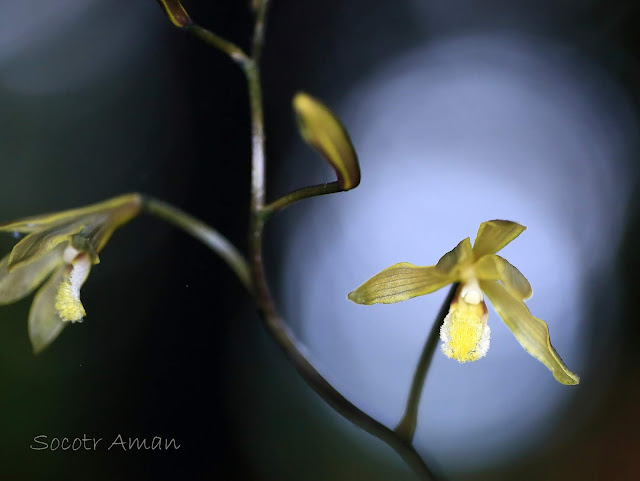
464 332
62 246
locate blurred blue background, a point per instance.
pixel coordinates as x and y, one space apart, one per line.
460 112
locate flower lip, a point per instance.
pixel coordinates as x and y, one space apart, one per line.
67 301
464 333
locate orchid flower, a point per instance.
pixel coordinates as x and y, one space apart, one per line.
62 247
478 270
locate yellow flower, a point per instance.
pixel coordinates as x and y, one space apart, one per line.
464 333
62 246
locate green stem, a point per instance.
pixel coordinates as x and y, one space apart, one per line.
406 428
295 353
275 324
256 281
258 161
222 44
277 327
257 43
299 194
201 231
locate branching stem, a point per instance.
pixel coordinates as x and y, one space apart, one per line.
274 323
203 232
231 49
297 195
252 273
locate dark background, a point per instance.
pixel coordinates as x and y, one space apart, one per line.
111 99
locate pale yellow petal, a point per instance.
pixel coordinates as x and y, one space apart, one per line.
44 323
99 237
37 244
127 203
121 210
487 268
461 255
398 283
515 282
531 332
95 223
494 235
19 282
494 267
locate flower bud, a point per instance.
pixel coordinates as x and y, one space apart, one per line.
322 130
176 12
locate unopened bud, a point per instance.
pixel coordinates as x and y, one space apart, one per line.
176 12
323 131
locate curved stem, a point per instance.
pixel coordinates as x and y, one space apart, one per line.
231 49
298 356
253 275
258 172
406 428
284 337
297 195
257 43
201 231
274 323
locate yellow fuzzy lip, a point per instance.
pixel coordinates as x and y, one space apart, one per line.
68 306
67 301
464 332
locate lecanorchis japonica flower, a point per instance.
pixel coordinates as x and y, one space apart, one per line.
465 333
60 248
